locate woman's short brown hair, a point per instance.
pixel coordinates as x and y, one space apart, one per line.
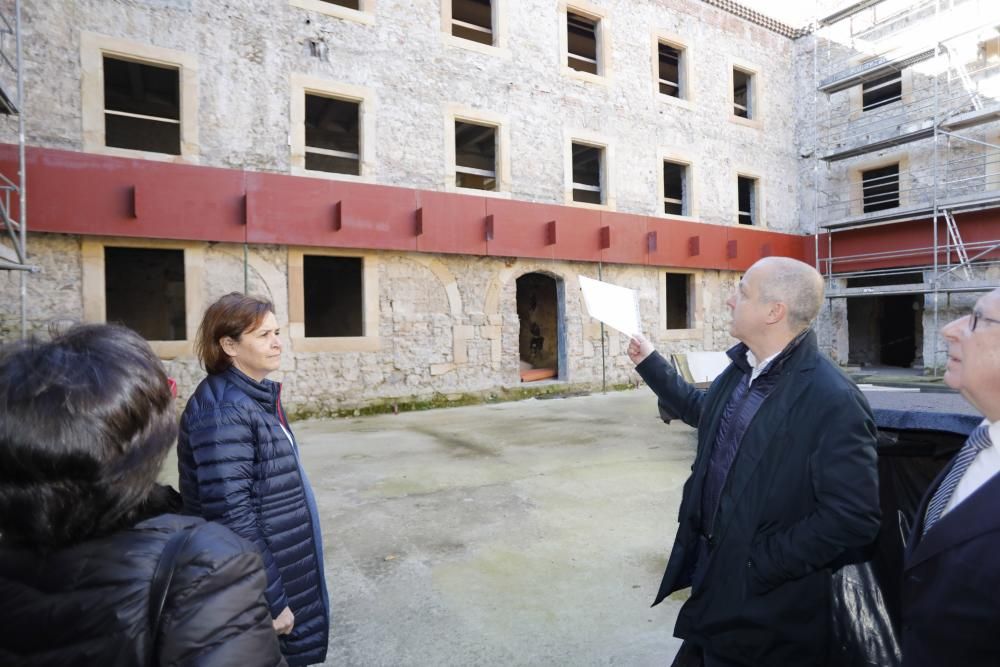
232 315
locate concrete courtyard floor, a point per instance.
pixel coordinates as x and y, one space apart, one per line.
523 533
527 533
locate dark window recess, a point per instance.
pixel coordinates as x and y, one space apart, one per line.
144 290
880 188
678 301
882 91
747 194
473 20
332 136
742 93
475 156
891 279
587 174
674 186
333 296
350 4
670 70
142 108
581 33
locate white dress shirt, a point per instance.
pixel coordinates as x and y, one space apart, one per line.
981 470
757 369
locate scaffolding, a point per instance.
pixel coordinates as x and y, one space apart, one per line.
924 77
13 204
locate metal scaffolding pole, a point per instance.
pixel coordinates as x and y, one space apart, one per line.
14 258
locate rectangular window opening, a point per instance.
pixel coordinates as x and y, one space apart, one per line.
678 301
882 91
333 296
909 278
674 188
880 188
333 137
475 156
142 106
743 93
144 290
581 33
670 70
350 4
473 20
747 193
587 169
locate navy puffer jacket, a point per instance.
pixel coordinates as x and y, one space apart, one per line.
238 467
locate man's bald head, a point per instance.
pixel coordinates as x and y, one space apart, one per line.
796 284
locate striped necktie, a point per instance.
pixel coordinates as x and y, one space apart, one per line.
977 442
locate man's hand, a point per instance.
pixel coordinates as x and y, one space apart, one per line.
285 622
639 348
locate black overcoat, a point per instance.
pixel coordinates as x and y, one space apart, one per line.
800 498
951 583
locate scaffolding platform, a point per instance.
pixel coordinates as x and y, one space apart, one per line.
886 217
971 118
918 131
847 12
965 286
926 131
966 204
875 69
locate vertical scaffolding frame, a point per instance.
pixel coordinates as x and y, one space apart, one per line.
13 187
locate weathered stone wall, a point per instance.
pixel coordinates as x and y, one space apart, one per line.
247 52
949 307
53 295
446 325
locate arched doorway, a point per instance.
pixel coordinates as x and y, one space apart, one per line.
540 341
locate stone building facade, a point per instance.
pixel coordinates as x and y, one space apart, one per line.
436 326
191 149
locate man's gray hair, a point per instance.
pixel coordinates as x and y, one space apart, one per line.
797 285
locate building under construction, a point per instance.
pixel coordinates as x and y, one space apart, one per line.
418 186
902 174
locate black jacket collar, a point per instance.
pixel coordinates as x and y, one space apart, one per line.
806 341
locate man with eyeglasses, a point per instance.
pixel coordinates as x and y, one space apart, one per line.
951 572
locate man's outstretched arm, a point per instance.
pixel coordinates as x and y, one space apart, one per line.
677 398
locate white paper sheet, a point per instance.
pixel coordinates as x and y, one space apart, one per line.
618 307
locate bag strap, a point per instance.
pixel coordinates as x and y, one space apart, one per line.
159 587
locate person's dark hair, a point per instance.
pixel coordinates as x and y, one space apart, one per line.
232 315
85 423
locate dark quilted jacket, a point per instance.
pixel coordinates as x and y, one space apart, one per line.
800 498
238 468
88 604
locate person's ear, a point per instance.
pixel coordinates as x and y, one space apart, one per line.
228 345
777 312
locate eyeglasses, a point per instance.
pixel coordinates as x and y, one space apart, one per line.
978 317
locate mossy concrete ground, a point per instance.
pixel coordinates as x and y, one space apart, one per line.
515 533
395 405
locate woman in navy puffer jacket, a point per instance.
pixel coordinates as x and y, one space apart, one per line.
239 465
